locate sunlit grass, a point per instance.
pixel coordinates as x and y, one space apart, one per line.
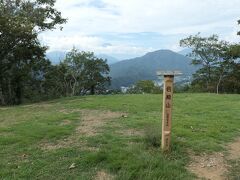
201 123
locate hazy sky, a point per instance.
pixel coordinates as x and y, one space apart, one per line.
129 28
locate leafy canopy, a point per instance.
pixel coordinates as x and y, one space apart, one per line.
85 72
215 59
21 54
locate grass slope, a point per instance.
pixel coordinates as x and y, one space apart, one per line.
201 123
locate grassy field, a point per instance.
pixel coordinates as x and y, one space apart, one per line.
114 137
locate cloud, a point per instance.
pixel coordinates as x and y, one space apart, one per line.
141 24
97 4
93 44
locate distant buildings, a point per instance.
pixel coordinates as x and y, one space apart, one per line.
124 89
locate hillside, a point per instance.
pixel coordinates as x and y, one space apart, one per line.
127 72
118 137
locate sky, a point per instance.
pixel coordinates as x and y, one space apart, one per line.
131 28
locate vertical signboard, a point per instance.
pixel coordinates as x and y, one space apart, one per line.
167 111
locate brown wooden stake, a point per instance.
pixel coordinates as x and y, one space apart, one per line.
167 112
167 107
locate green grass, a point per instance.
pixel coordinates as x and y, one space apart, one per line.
201 123
234 172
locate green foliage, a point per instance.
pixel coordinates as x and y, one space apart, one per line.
84 72
144 86
80 73
22 61
216 60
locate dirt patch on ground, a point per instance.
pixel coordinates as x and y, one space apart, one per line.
91 122
11 119
102 175
214 166
68 142
42 105
67 111
58 144
209 166
234 149
2 108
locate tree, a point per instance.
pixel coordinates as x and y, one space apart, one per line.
96 74
56 83
144 86
232 79
85 72
20 49
213 58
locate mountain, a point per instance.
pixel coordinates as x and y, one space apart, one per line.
127 72
56 56
110 59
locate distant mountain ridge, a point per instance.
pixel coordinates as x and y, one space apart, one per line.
127 72
57 56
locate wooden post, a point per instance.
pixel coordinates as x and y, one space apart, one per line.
167 107
167 112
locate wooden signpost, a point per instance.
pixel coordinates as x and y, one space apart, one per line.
167 107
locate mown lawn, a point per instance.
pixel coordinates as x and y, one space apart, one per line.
41 141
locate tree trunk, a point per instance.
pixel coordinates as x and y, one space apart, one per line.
18 93
73 87
2 101
207 85
73 91
209 78
10 98
218 84
92 90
